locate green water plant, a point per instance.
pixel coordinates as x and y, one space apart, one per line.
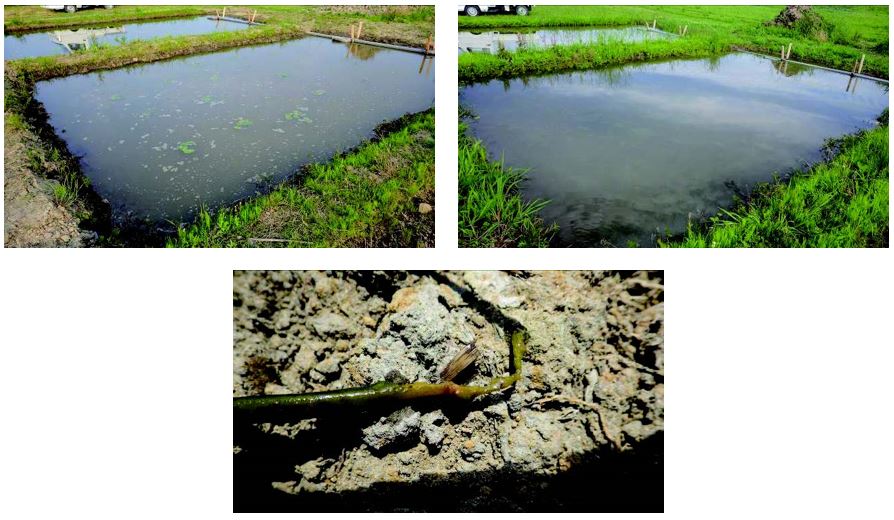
242 123
298 116
385 390
187 147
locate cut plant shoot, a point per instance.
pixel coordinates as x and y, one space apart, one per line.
383 390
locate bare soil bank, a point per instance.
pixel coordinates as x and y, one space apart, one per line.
581 431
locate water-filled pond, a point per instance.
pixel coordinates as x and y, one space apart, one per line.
63 41
159 140
492 41
630 153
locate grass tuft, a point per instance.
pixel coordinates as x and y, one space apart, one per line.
492 212
839 203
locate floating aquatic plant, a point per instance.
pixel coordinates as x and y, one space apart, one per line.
207 99
242 123
187 147
298 116
115 97
319 92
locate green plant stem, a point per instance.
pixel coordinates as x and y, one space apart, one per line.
384 390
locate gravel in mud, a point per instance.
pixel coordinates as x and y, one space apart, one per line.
581 430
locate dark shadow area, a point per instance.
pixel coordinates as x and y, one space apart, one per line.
603 481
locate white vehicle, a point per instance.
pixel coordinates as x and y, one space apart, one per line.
73 8
475 10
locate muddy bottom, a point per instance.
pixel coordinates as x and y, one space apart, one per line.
581 431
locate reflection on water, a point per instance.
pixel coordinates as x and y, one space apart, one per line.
360 51
82 39
512 39
48 43
162 139
633 152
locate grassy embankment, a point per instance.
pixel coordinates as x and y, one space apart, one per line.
410 26
849 32
492 212
712 30
371 197
839 203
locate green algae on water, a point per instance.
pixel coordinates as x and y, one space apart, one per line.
242 123
187 147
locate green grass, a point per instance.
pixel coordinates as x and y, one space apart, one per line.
492 213
839 203
49 162
481 67
855 30
33 17
66 192
370 197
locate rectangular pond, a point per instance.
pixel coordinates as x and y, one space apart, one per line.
631 153
159 140
29 45
491 41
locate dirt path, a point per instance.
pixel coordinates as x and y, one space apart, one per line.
585 421
31 217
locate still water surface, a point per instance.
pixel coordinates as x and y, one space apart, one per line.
162 139
29 45
512 39
632 152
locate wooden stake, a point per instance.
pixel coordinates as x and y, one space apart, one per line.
352 33
253 16
654 23
860 68
856 62
427 45
225 12
788 54
685 28
782 53
359 30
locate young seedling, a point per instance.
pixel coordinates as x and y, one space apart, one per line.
385 390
